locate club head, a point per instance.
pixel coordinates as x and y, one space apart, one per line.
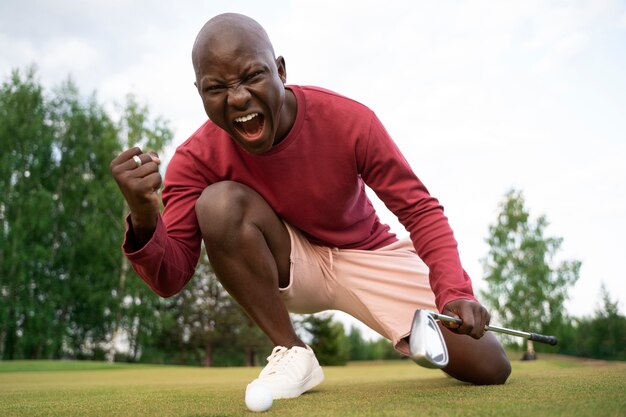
426 343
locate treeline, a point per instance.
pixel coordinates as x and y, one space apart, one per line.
66 291
600 336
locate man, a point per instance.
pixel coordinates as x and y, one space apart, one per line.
274 184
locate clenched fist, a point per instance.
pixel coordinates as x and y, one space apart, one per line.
137 175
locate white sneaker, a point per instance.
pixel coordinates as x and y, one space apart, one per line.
290 372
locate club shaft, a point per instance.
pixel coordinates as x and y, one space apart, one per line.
551 340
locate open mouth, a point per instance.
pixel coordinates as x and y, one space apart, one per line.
250 126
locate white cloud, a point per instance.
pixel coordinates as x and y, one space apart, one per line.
69 55
562 52
15 52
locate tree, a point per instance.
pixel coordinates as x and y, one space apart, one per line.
133 313
604 335
53 189
377 349
250 339
203 325
358 347
328 339
60 222
26 191
208 316
526 288
84 248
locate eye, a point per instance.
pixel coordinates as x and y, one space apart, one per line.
253 75
214 89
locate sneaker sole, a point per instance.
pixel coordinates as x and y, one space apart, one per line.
315 378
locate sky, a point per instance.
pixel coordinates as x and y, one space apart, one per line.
480 96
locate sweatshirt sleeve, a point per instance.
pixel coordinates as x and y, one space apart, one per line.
168 260
386 171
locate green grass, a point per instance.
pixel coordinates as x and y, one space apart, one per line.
39 366
551 386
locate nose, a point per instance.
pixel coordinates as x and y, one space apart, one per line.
238 96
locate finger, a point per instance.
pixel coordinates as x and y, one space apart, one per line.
138 161
155 157
153 181
486 317
481 319
125 162
145 169
142 190
126 156
467 314
450 324
468 327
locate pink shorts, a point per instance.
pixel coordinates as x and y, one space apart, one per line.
381 288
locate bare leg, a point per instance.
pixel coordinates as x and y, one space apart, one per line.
249 248
479 361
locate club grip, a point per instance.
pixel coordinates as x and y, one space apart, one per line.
550 340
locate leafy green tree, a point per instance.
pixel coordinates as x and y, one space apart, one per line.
84 247
203 325
133 312
526 287
358 347
60 220
28 318
382 349
250 339
54 159
209 315
604 335
328 339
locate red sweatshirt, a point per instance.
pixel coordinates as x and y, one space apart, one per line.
315 180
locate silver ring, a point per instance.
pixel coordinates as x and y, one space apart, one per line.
137 161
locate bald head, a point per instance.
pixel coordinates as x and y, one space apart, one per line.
238 77
227 32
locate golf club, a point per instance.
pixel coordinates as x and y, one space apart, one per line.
427 345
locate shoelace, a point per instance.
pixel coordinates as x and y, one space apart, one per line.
276 362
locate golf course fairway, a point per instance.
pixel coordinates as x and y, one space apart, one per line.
550 386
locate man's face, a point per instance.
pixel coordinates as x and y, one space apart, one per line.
241 86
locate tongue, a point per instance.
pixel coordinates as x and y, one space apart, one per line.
252 128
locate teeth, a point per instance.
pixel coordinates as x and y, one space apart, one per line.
246 118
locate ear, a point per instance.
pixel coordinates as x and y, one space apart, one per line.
282 69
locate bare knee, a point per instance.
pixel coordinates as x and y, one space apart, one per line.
481 362
495 373
502 374
236 221
221 208
485 371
